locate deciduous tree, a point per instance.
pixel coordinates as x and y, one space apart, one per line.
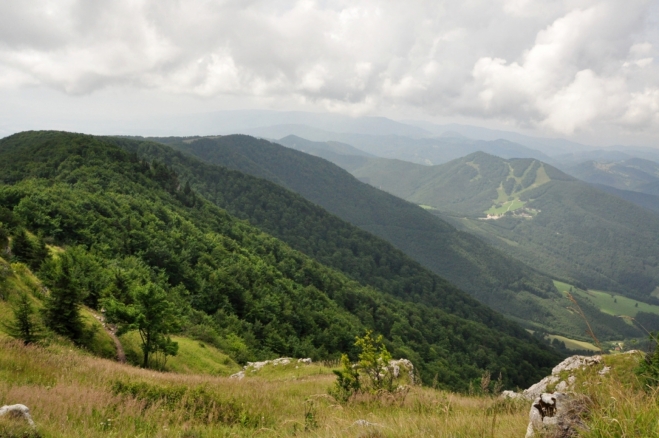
153 315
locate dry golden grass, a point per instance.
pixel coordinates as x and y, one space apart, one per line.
71 394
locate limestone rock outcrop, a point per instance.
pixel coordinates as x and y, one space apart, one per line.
556 411
403 366
255 366
555 403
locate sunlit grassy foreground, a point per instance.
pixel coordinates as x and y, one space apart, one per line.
618 405
73 394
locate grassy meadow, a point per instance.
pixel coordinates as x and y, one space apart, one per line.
194 357
616 403
85 392
617 304
71 393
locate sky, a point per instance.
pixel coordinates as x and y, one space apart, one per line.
577 69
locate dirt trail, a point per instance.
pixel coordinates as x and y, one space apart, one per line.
110 330
121 355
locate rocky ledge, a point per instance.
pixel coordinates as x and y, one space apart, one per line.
556 404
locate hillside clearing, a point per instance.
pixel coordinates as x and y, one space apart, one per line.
505 207
573 344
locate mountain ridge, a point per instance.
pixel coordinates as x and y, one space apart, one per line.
131 216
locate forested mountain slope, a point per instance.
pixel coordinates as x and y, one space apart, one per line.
645 200
128 223
634 174
303 225
459 257
501 282
555 223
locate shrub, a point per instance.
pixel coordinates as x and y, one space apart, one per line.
374 363
373 373
347 381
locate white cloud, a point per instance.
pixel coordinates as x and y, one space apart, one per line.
570 79
562 65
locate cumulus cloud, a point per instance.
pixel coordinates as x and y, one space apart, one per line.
563 65
575 73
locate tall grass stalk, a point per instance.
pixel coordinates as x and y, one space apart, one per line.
583 316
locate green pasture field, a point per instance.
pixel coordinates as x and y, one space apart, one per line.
619 305
573 344
610 303
507 206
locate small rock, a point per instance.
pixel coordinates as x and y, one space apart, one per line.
604 370
239 375
17 411
306 361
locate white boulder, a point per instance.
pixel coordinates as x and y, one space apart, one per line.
17 411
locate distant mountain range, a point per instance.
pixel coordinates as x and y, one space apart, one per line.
608 155
533 211
409 140
649 202
426 151
548 146
633 174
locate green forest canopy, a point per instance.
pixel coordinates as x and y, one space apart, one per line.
493 278
140 225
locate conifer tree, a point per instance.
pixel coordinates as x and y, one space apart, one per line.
24 326
21 247
63 305
39 252
4 238
24 250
